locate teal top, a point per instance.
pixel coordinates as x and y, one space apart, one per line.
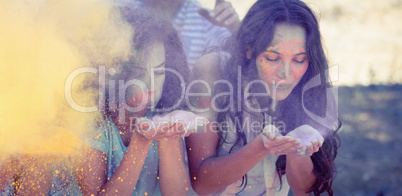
108 140
105 138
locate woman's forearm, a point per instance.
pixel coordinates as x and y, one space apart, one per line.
216 173
35 178
299 173
127 174
174 179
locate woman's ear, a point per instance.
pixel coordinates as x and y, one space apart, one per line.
248 54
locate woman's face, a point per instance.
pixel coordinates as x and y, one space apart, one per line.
284 62
147 66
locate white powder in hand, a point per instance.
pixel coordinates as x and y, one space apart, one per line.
190 121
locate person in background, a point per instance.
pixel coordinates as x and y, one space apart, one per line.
199 29
273 117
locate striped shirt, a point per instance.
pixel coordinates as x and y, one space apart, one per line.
195 31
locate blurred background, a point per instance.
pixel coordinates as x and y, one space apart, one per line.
363 39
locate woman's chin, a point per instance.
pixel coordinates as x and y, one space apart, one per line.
280 95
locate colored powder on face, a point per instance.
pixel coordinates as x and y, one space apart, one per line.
41 43
264 66
274 46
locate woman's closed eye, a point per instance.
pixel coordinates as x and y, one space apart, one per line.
272 58
300 60
161 72
159 69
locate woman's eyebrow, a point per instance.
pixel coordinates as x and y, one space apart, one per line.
273 51
301 53
160 65
276 52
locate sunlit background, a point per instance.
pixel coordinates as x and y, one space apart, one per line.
364 38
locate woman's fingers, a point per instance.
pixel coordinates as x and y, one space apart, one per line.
220 7
302 151
162 132
321 142
226 14
281 145
222 15
309 149
175 130
286 148
232 19
316 145
283 139
289 147
169 131
313 147
145 130
272 141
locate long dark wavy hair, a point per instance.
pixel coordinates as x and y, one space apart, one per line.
255 34
149 29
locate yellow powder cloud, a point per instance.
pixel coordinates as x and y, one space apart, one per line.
41 43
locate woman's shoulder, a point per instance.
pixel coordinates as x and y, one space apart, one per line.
101 134
207 63
212 63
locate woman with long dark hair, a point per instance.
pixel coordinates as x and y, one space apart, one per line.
275 116
123 159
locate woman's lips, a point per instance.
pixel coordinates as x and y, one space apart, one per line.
281 86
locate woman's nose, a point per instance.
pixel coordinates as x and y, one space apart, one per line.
284 71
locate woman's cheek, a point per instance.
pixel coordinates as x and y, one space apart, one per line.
267 77
264 68
300 70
